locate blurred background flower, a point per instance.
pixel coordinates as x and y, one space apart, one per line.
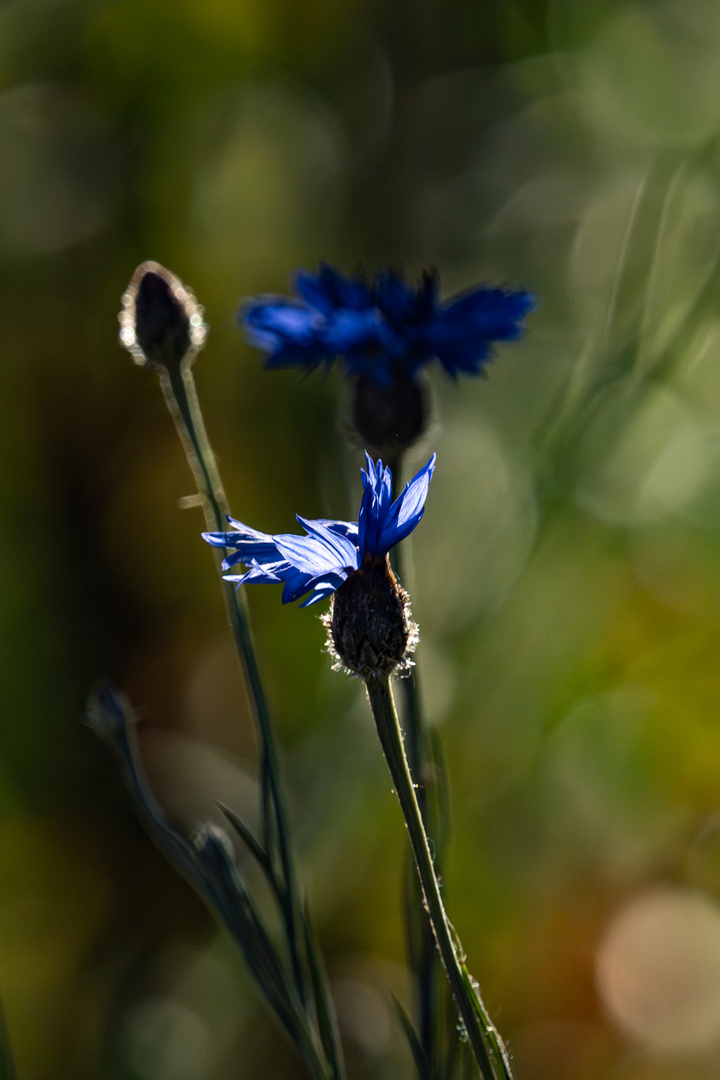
568 149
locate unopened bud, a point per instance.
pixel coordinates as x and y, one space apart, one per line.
209 839
370 628
109 713
161 322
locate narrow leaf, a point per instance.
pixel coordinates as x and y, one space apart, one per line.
248 837
327 1021
422 1064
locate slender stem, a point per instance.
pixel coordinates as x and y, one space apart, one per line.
388 727
420 761
422 952
178 387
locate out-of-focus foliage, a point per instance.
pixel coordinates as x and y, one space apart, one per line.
566 576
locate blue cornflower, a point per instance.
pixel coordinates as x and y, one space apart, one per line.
384 329
321 561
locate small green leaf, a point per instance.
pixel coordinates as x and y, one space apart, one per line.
248 837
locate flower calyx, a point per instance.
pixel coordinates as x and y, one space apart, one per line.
371 633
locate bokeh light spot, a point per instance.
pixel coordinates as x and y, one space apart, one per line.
658 970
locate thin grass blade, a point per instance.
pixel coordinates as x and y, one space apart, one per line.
326 1018
422 1062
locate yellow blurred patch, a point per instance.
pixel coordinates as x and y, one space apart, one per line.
670 645
54 898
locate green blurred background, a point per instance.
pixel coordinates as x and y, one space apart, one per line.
566 576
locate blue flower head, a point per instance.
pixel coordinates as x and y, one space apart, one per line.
322 560
383 329
370 628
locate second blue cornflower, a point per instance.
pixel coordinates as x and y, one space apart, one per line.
382 327
385 332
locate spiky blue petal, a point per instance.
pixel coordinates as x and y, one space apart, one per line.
382 326
320 561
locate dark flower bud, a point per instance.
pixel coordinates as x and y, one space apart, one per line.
370 627
161 322
214 846
109 713
390 417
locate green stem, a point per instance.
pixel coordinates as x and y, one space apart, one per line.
422 952
412 713
178 386
492 1065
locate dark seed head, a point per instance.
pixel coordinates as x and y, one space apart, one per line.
161 321
370 629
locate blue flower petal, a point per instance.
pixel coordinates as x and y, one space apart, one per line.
285 319
347 330
382 326
245 532
287 330
257 573
296 585
312 554
341 528
317 290
248 543
218 539
395 298
344 550
490 313
408 508
238 556
461 334
328 290
325 587
319 562
375 504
